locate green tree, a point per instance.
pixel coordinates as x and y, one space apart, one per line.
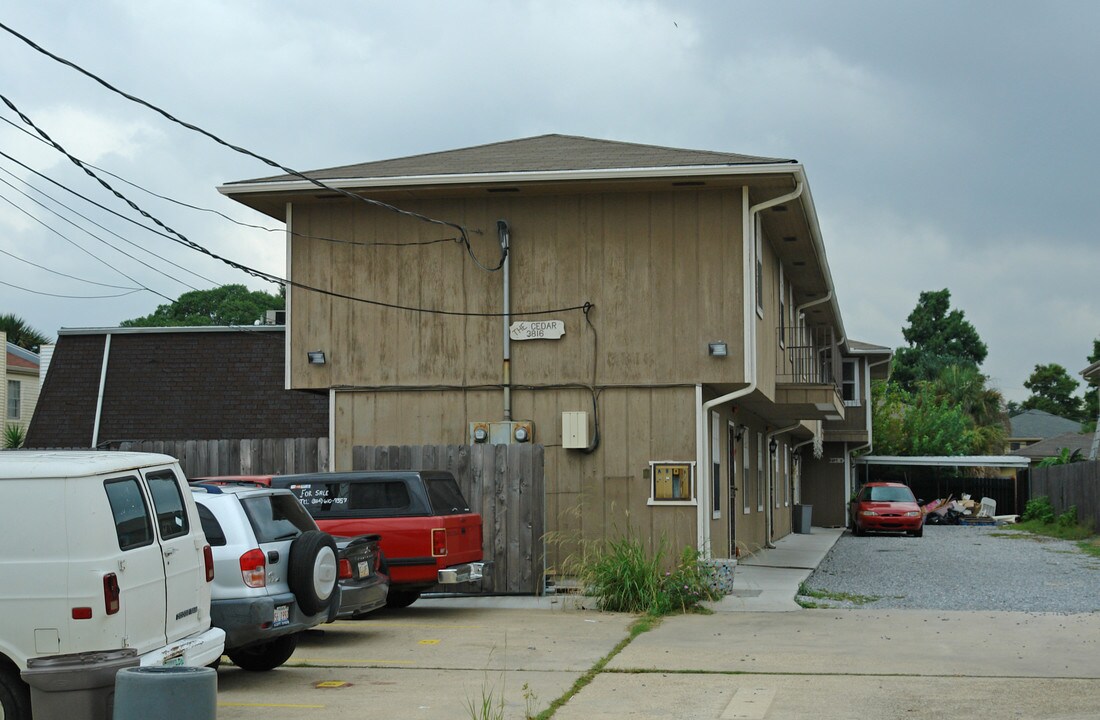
22 334
938 337
1052 391
225 305
966 388
1092 398
925 422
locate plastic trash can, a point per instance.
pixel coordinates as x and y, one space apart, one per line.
166 693
78 686
801 518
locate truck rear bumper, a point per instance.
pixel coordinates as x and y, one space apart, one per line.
467 572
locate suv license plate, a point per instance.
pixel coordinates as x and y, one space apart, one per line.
364 568
282 615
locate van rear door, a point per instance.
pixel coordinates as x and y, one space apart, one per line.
181 543
139 572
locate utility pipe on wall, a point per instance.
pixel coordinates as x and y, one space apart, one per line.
702 436
502 233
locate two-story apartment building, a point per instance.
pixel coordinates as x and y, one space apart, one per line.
662 321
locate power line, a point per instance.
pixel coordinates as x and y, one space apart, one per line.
71 277
199 208
250 270
244 151
71 297
93 235
78 245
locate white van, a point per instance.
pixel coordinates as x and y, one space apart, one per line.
99 551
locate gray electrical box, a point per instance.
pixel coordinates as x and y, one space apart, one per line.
574 430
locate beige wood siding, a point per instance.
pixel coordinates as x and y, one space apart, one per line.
662 269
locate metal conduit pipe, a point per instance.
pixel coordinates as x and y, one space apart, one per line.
503 234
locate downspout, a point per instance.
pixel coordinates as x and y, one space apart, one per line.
102 386
768 512
702 435
502 233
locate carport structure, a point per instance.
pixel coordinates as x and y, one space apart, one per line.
1004 488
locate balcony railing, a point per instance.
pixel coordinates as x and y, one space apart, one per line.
807 355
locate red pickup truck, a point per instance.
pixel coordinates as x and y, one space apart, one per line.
429 534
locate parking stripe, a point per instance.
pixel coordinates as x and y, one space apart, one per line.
271 705
345 661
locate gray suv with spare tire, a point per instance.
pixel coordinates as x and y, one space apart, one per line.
275 573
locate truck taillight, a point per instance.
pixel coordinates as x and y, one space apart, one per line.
345 569
254 568
111 594
439 542
208 559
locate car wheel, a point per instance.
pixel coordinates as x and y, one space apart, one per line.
856 529
15 696
401 598
265 656
919 532
313 569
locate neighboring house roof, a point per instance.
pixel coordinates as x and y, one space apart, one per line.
21 358
877 355
544 153
1039 424
172 384
1051 447
1092 371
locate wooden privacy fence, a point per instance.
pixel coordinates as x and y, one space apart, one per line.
1073 484
268 456
502 482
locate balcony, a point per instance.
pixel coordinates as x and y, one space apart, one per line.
807 372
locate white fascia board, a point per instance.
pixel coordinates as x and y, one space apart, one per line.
946 460
165 330
1092 370
518 177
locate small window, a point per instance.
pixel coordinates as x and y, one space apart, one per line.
14 399
168 503
446 497
759 252
849 385
215 536
132 522
382 495
746 438
277 517
760 488
672 482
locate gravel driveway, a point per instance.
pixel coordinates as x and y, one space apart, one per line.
959 568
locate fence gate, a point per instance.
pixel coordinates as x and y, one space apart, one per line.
504 483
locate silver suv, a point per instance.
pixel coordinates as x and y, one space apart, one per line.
275 573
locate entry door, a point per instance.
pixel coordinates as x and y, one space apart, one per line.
731 462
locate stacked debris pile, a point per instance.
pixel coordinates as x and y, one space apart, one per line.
964 511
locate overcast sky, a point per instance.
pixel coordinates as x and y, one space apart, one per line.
947 144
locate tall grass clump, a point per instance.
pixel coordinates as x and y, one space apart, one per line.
624 577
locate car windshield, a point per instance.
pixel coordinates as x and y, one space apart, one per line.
277 517
888 494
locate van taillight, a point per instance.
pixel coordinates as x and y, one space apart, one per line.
111 593
254 568
439 542
208 558
345 569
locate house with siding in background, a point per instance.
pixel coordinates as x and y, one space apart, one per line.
19 393
662 321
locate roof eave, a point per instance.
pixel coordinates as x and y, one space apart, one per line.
791 167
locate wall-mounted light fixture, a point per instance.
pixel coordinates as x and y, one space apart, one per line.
773 445
718 349
739 432
316 357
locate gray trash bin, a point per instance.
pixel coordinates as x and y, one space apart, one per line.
79 686
167 693
801 518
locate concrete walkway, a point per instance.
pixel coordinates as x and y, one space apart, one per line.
768 580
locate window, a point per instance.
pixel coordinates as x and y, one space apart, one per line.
132 523
672 482
276 517
782 311
446 496
849 384
746 438
168 503
786 475
716 466
760 472
759 252
14 389
211 527
775 475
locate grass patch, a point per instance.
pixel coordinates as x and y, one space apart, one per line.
624 577
1090 546
804 591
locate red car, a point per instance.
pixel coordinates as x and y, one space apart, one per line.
886 507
